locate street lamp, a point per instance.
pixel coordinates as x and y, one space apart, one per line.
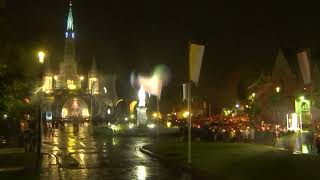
278 89
155 115
253 95
81 78
41 56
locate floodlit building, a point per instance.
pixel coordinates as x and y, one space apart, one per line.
281 95
69 94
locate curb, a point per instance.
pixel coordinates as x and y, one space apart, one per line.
186 167
166 160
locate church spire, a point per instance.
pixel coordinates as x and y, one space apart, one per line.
70 30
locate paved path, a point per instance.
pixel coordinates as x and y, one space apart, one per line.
85 157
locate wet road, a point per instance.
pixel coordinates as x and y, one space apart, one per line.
83 157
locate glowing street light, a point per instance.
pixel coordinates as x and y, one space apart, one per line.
278 89
155 115
81 78
301 98
237 105
41 56
253 95
186 114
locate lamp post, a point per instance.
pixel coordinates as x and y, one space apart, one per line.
277 101
41 56
253 95
93 83
81 78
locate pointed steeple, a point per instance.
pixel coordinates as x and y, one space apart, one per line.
69 65
281 66
70 29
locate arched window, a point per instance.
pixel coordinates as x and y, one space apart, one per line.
304 107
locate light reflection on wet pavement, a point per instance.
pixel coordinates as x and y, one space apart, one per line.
83 157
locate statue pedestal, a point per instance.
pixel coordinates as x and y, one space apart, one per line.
141 116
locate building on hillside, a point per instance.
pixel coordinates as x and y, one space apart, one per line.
70 94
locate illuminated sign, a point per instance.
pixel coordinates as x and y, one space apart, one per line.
49 116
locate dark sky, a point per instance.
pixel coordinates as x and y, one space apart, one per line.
127 36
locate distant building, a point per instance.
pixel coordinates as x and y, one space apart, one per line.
68 94
277 106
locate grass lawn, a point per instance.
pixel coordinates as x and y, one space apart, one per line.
242 161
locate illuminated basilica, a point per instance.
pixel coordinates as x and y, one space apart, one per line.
68 94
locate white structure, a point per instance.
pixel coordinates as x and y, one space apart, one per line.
142 97
142 110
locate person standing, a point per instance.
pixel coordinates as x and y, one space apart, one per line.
318 143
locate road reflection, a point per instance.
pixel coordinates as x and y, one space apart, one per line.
85 157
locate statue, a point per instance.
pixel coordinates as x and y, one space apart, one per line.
142 97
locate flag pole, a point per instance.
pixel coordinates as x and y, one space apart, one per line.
189 123
158 115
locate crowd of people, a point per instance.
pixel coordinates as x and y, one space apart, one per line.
242 131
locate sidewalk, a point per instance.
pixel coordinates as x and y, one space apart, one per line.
14 162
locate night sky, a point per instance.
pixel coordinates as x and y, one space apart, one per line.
126 36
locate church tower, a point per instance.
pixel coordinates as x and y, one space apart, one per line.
69 78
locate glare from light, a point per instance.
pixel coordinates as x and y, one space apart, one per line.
109 111
278 89
301 98
41 56
81 78
132 116
293 123
55 77
237 105
155 115
115 128
131 126
168 124
105 90
151 126
186 114
141 172
5 116
126 119
253 95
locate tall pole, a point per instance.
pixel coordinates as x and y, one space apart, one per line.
91 107
189 124
40 124
158 112
91 96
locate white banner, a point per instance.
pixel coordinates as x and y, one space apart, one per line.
195 60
